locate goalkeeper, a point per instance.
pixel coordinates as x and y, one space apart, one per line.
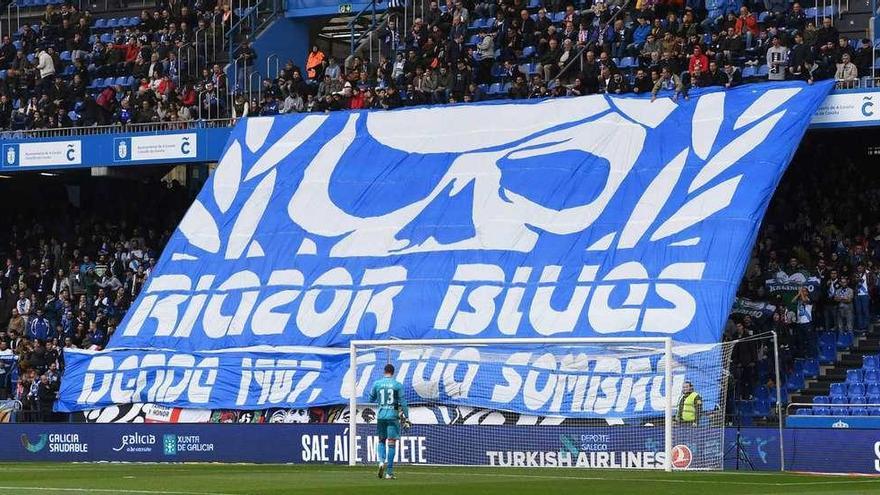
388 394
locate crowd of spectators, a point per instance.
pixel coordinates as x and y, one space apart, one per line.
458 52
558 49
68 277
814 267
69 70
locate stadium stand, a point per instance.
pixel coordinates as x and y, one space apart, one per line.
70 274
70 68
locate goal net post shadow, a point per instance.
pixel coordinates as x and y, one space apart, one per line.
578 402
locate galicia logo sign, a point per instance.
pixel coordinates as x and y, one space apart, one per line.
136 442
37 446
122 149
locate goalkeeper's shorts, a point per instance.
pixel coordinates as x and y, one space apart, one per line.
388 428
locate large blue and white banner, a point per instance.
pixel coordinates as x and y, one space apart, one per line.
581 217
587 381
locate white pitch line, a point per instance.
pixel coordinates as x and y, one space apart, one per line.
109 490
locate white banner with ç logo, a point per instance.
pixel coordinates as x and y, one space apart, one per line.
161 147
845 108
41 154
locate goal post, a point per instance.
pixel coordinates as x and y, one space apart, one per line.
569 402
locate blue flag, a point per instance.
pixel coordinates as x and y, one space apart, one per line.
595 216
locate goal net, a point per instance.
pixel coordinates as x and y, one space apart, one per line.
566 402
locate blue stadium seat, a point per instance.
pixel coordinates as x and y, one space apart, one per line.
494 89
31 58
3 74
811 367
628 62
477 24
811 12
820 399
844 340
794 381
69 71
873 398
821 411
762 17
858 399
134 21
803 411
489 23
840 411
106 38
65 55
528 51
17 44
858 411
853 376
113 23
474 40
761 392
558 17
100 24
874 411
872 376
534 4
837 390
827 354
763 71
873 389
839 399
96 83
870 362
761 408
827 338
749 71
745 408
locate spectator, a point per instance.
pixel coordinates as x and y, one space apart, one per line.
847 73
777 60
669 82
314 63
843 296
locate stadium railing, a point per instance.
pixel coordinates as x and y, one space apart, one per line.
152 127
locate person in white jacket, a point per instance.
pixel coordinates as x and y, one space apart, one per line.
846 73
46 66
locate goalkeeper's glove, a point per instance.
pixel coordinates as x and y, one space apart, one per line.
404 421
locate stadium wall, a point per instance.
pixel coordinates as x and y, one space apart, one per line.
814 450
195 145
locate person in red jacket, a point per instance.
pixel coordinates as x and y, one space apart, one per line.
698 61
747 25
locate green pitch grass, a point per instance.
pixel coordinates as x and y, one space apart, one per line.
241 479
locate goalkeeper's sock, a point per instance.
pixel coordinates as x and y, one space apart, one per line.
390 462
381 450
